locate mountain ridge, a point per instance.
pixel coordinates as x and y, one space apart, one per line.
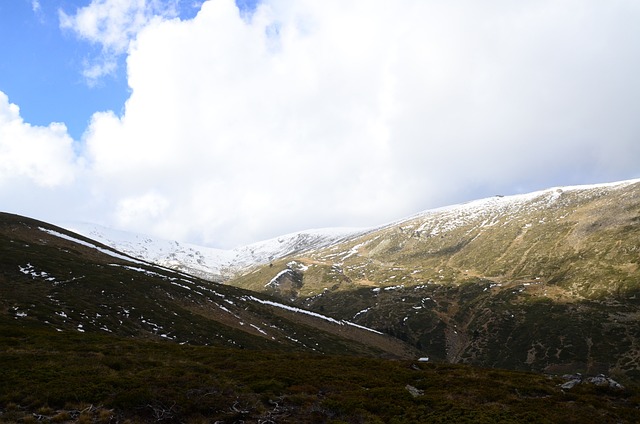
222 264
207 262
548 284
467 283
544 281
53 278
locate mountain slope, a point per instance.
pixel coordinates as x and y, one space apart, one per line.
100 378
544 281
210 263
54 278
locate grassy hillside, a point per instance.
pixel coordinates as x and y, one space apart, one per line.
70 284
89 335
56 377
546 281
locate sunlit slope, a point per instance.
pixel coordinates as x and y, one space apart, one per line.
547 280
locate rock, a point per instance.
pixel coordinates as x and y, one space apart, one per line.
572 380
570 384
600 380
604 381
415 392
615 385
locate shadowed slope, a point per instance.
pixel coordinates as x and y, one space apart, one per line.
62 280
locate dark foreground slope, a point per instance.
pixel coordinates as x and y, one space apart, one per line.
95 377
548 281
71 284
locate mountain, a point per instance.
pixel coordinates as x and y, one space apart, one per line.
54 278
473 283
210 263
546 281
91 334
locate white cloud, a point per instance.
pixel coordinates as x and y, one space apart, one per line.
253 135
40 174
41 155
310 114
95 69
112 24
137 210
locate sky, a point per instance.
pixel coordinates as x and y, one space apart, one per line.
222 123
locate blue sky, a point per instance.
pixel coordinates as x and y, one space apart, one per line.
41 69
196 121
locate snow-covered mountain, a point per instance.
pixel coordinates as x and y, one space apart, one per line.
211 263
217 264
544 281
500 209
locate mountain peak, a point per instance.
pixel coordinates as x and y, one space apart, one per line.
221 265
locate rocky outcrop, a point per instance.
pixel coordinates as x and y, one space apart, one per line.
600 380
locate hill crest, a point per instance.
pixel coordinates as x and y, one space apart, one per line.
220 265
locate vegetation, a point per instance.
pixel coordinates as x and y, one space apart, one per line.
50 376
55 281
547 282
550 284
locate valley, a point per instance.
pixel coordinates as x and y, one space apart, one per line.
491 310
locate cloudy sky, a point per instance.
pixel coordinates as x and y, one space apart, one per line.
223 123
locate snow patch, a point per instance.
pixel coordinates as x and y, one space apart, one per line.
207 262
305 312
401 286
274 281
90 245
364 311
